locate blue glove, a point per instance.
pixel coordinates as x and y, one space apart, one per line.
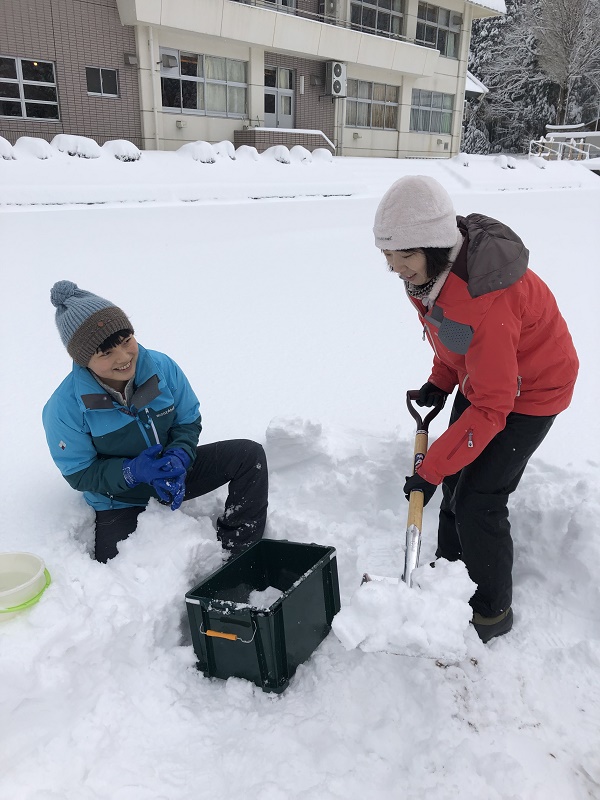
148 466
415 483
170 491
181 455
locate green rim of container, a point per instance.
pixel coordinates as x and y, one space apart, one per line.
30 602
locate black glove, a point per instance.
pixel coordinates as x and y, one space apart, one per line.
417 483
431 395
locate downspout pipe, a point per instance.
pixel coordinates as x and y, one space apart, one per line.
154 95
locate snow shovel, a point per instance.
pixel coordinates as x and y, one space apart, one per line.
415 503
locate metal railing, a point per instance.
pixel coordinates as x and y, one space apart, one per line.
329 19
572 150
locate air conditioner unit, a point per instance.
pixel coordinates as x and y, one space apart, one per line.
336 80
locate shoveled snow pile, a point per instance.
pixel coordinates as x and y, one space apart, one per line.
430 620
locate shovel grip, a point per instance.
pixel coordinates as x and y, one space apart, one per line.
415 510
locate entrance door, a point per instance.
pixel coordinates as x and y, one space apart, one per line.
279 97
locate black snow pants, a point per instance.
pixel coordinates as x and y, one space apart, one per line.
241 463
473 525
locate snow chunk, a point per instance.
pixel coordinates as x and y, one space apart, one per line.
501 161
322 154
199 151
462 159
264 598
33 147
6 149
122 150
292 440
225 149
301 154
79 146
429 620
278 152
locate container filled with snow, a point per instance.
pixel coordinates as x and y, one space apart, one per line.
264 612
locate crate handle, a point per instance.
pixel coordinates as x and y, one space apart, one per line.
231 636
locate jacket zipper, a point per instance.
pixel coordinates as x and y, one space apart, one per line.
469 439
463 384
519 379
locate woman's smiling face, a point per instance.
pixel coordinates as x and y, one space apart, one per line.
410 265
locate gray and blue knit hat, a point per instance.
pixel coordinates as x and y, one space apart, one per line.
85 320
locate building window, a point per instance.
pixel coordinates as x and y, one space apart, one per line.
378 16
199 84
372 105
431 112
438 28
280 5
28 89
102 81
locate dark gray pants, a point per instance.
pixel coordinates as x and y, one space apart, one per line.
239 462
473 525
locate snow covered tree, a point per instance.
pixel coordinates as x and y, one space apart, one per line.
568 46
541 63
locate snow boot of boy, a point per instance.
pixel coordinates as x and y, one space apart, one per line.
489 627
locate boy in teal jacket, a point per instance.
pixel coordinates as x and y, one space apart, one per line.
124 426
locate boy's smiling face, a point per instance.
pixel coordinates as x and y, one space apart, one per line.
116 366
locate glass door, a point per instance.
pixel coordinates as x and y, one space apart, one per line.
279 97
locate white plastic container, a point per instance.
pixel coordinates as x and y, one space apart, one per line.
23 580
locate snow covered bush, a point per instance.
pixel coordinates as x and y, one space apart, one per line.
122 150
246 152
6 149
300 154
199 151
79 146
322 154
278 152
33 147
225 149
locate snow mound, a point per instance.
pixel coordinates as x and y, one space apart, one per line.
278 152
31 147
6 149
122 150
199 151
429 620
79 146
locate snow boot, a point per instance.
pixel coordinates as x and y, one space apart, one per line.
489 627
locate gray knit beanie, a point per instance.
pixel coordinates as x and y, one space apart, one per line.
84 320
416 211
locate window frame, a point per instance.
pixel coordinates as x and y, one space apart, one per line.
445 110
174 73
370 102
102 93
377 7
439 28
21 82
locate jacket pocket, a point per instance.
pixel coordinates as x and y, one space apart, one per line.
467 438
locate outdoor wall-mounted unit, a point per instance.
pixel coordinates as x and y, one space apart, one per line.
336 81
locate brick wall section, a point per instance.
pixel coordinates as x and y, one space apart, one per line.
312 110
74 34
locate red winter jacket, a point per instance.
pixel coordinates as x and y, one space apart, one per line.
498 335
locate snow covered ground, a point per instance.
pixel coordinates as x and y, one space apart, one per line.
262 281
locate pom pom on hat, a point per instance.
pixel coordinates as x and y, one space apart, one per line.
85 320
416 211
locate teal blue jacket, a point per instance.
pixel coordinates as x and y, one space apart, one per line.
90 435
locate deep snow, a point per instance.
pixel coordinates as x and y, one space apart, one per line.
283 315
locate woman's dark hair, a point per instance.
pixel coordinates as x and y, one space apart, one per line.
437 260
114 339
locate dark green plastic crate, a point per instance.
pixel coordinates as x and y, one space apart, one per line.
264 645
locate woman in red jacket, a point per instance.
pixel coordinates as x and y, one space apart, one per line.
498 336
